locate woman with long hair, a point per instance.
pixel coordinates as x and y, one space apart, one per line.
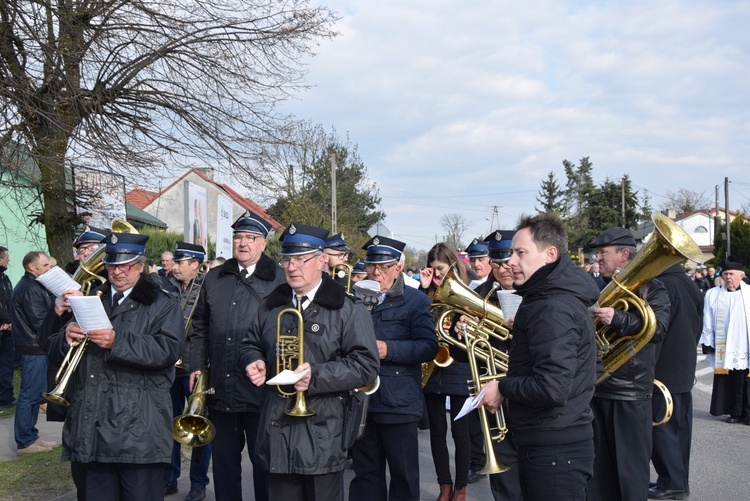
450 381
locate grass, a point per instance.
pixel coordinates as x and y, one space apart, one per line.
36 476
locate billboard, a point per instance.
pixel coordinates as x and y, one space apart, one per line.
100 194
196 215
224 227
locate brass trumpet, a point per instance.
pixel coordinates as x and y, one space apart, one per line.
192 428
288 349
343 271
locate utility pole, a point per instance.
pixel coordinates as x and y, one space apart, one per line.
495 219
726 213
717 220
334 215
622 194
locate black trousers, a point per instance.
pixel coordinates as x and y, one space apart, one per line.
233 430
397 445
477 458
671 443
118 481
506 486
439 443
622 438
558 472
292 487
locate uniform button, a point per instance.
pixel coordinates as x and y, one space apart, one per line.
227 375
229 339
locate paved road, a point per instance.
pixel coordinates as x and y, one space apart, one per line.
719 463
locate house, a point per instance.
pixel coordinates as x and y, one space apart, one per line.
171 206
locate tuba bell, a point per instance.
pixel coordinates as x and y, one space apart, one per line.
668 245
87 275
192 428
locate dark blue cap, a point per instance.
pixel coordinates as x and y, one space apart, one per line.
382 249
124 247
91 235
336 242
359 268
185 250
614 236
251 223
302 239
500 244
478 248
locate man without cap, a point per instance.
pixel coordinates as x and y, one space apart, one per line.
118 432
622 402
186 284
30 304
675 368
405 339
725 338
230 299
552 366
7 352
504 486
303 447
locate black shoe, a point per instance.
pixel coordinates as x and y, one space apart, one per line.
747 421
651 485
733 419
170 489
474 477
655 493
196 494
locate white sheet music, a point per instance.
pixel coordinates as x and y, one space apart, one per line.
509 303
470 404
287 377
89 312
56 281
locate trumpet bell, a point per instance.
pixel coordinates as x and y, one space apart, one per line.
56 397
371 388
193 430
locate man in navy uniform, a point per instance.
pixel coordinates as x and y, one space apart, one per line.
336 253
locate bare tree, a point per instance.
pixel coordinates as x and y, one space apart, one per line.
685 200
455 226
127 85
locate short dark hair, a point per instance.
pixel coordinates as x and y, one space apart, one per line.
3 251
547 229
32 257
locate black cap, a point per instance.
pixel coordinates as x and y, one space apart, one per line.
302 239
124 247
614 236
185 250
251 223
732 263
478 248
500 244
382 249
336 242
91 235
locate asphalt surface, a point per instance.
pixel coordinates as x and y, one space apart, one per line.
719 461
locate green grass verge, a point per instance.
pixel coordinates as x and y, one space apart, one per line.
37 476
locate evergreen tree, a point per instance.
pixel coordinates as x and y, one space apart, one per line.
739 234
551 196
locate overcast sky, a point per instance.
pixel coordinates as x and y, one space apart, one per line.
459 106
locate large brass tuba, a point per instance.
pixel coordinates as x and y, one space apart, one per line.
192 428
88 276
668 245
288 349
456 298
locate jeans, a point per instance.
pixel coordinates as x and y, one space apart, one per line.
7 362
33 384
558 472
200 456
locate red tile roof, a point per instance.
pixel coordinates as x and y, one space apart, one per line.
141 198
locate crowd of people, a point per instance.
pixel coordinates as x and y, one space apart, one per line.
292 350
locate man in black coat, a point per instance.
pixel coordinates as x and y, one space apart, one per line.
622 401
7 352
229 302
675 367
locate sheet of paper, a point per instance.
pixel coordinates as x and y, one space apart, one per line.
470 404
56 281
287 377
89 312
509 303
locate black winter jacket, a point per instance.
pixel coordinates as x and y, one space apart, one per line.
226 307
552 368
121 411
675 356
635 379
6 292
30 304
341 350
404 322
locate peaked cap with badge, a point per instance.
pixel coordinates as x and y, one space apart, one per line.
302 239
382 249
91 235
500 244
185 250
123 248
250 222
337 243
478 248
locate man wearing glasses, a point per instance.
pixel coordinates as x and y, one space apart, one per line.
336 253
404 328
86 244
118 432
304 452
622 402
229 301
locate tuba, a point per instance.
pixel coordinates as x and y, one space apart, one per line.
288 349
456 298
88 276
668 245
